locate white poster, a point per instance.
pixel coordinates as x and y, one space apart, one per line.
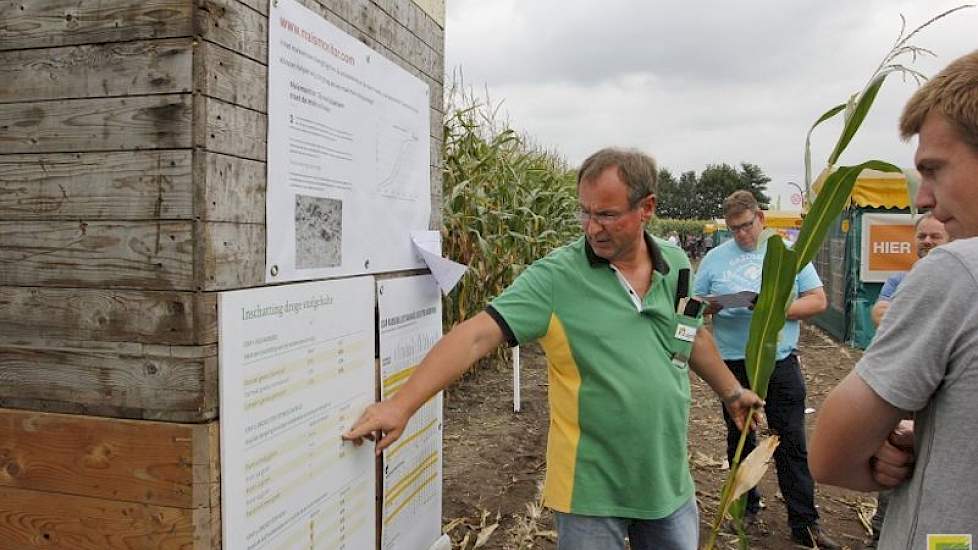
348 153
296 369
410 324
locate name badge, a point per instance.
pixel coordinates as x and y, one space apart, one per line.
685 333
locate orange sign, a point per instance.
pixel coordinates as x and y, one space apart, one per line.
891 247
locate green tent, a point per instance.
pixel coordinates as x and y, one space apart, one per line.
838 261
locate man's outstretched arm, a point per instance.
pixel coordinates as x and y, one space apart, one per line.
454 354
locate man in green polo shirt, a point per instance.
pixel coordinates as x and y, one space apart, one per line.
604 310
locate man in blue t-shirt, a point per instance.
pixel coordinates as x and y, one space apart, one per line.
735 266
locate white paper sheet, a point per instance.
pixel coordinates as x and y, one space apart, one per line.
446 272
349 140
410 324
296 367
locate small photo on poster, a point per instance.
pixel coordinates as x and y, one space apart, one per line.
318 232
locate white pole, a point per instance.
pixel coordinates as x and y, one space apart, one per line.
516 379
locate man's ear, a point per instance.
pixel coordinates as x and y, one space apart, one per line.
648 207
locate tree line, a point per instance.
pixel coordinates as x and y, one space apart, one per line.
693 197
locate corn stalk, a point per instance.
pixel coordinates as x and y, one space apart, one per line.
782 263
506 202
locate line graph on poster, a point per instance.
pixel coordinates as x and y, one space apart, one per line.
396 156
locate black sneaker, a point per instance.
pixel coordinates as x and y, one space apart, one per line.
814 537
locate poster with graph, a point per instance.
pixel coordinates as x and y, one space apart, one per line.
296 369
349 150
410 324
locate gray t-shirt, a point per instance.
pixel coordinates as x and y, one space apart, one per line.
925 359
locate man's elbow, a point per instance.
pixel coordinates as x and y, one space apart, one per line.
819 467
829 469
821 303
829 463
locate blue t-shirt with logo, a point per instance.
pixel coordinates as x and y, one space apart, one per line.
727 269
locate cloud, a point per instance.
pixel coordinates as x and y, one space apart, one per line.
694 83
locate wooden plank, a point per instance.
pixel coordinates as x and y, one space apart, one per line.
378 30
261 6
99 70
213 479
150 255
173 318
119 380
54 521
426 27
436 197
237 79
47 23
435 152
129 185
230 189
102 124
205 318
234 26
140 461
224 128
231 77
233 256
436 121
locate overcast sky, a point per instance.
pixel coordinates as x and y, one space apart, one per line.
697 83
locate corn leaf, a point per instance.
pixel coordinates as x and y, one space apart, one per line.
808 143
777 282
832 198
854 121
752 469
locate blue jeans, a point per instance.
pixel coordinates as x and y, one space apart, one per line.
678 531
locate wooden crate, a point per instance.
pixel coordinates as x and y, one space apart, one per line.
81 482
132 187
132 190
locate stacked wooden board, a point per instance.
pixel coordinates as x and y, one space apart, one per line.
132 191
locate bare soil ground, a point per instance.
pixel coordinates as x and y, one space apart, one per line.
494 458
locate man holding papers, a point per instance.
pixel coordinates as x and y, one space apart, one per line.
735 267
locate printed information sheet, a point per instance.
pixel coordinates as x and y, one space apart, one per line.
296 369
410 324
348 153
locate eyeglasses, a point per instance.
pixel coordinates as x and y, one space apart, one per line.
743 226
603 219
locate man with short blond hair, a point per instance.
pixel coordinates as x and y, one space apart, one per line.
924 359
735 266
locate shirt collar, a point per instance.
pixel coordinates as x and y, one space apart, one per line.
658 261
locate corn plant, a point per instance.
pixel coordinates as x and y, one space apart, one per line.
506 202
782 263
663 226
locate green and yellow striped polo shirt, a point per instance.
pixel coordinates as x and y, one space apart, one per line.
619 407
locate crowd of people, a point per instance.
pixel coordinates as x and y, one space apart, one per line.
617 316
694 245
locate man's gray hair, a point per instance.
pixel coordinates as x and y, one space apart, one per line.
636 170
920 219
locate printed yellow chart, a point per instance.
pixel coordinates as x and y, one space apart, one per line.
410 324
297 368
